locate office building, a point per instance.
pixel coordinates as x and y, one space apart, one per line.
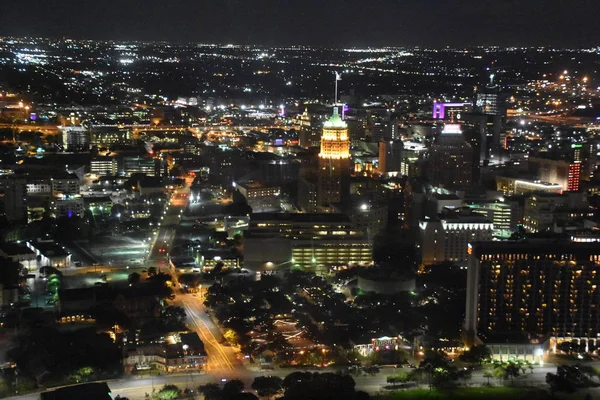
64 183
450 159
541 209
104 166
67 206
390 157
307 189
333 186
446 238
331 253
140 165
75 138
488 101
412 154
552 171
317 241
310 129
534 288
370 218
380 128
502 215
302 226
108 136
574 176
39 186
450 110
510 186
259 197
13 197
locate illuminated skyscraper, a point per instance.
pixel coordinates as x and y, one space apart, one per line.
334 163
451 159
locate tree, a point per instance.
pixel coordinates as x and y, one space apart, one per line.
231 336
134 277
488 374
232 388
278 343
570 378
243 396
508 370
267 386
151 271
401 377
172 318
498 372
372 370
168 392
315 386
476 354
438 369
211 391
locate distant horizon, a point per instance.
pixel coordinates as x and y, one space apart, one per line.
315 46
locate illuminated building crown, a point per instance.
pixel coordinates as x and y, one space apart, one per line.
335 143
335 121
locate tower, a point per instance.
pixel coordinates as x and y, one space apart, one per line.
451 159
490 108
390 156
334 163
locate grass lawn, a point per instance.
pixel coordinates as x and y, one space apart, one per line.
491 393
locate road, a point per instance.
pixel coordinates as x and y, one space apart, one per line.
224 360
166 233
135 388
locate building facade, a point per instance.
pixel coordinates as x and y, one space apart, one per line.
534 288
451 159
447 239
334 164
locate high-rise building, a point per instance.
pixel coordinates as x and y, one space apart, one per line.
487 120
412 154
310 132
334 164
107 136
140 165
503 216
307 189
541 209
534 288
260 197
104 166
447 238
390 157
13 197
75 137
450 159
574 176
589 161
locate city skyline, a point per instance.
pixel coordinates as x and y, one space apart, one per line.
353 23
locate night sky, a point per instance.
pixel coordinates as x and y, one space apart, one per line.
313 22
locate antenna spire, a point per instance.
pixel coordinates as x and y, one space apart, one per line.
338 77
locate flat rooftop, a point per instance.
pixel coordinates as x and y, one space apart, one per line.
301 217
15 249
541 246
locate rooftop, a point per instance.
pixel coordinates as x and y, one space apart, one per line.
301 217
540 246
335 121
13 249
